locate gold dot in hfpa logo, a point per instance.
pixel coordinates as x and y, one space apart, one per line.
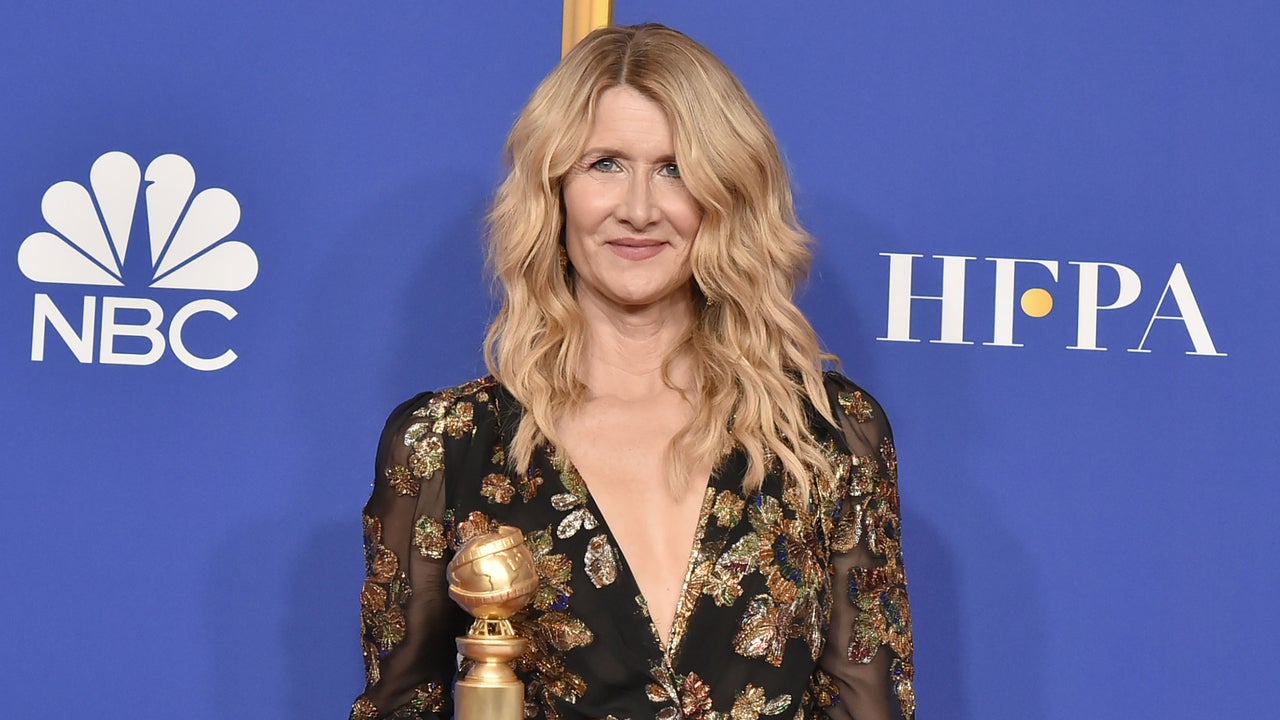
1038 302
190 249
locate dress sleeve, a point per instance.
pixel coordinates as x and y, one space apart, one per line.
407 620
867 658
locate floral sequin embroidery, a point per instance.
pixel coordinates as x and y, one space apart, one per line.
764 632
554 573
549 681
579 516
601 561
382 600
822 689
724 581
787 557
901 671
458 421
428 697
402 480
497 487
763 559
752 703
690 696
529 484
879 593
364 709
846 531
573 502
449 416
475 525
728 508
429 538
565 632
857 406
428 453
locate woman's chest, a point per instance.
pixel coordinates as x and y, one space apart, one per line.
753 590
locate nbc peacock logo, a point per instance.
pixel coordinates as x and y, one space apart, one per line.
189 245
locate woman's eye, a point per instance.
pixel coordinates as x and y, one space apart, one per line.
671 170
605 165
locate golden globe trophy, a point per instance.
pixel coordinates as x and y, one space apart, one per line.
492 577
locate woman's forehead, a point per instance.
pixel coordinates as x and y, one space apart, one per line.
628 124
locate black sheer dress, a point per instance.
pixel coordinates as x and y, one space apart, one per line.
789 609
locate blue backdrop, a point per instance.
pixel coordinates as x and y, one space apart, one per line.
1090 531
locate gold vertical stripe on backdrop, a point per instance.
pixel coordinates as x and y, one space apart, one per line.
580 18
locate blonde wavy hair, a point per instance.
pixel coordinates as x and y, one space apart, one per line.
757 363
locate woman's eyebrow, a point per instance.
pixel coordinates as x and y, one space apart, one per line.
621 155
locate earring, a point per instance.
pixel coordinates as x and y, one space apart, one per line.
706 296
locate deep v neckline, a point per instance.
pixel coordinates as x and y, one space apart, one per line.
684 603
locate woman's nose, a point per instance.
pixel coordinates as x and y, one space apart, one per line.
639 206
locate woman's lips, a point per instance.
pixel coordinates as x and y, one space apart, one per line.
636 248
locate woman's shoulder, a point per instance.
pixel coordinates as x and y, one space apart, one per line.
855 400
854 404
452 411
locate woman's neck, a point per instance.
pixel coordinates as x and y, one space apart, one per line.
626 348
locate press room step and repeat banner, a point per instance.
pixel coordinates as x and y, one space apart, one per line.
236 234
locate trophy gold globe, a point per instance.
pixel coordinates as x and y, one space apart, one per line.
492 577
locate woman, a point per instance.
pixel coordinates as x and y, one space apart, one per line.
654 390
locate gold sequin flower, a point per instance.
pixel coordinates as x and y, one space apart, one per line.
402 480
856 406
429 537
497 487
728 508
555 572
458 421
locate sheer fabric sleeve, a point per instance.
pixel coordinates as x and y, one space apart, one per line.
868 653
408 622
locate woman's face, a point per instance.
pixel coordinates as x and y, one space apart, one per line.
629 221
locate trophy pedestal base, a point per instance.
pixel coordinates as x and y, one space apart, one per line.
491 690
488 699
